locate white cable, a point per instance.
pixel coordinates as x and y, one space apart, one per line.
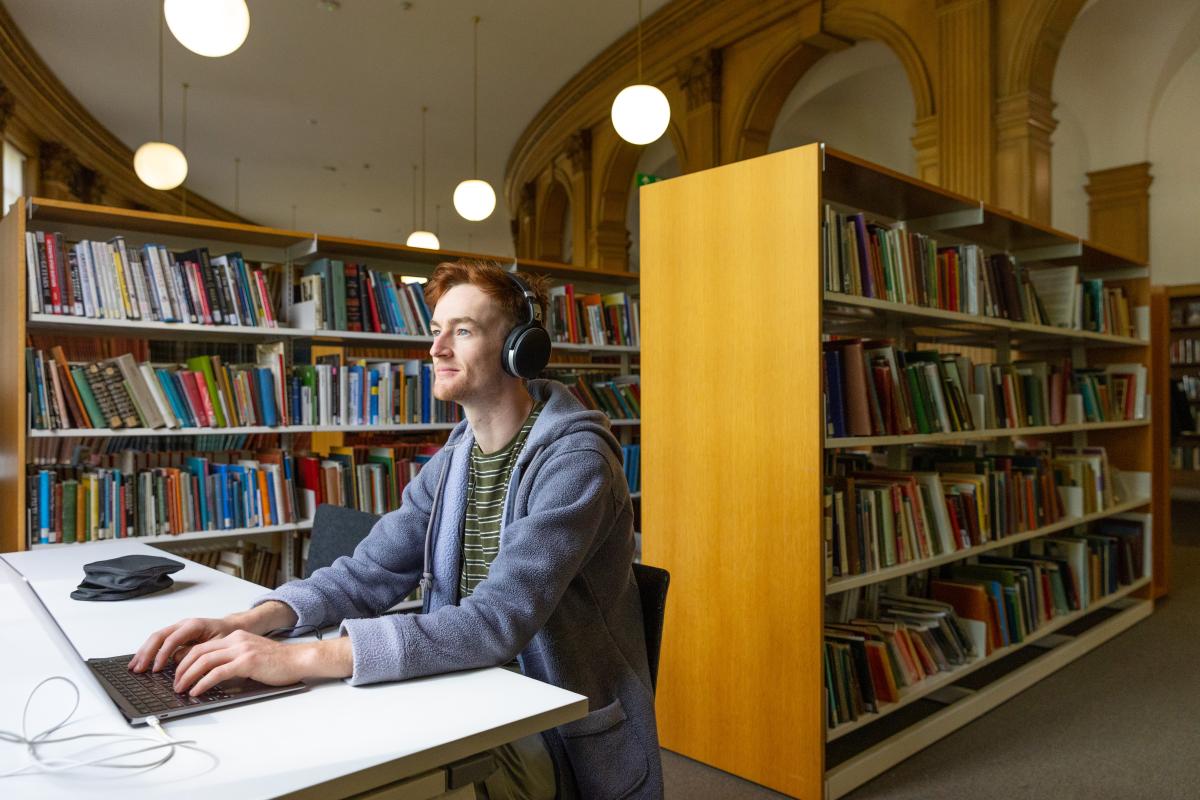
46 764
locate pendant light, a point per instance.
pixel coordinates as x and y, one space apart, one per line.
474 199
421 238
158 164
212 28
640 112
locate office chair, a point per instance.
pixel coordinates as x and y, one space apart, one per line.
652 585
336 532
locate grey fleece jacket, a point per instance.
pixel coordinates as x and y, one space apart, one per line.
560 595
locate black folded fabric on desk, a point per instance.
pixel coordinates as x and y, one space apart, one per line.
126 577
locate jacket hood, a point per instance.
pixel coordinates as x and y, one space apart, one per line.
561 416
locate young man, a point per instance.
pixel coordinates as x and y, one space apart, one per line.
530 530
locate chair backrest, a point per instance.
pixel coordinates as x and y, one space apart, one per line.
336 532
652 585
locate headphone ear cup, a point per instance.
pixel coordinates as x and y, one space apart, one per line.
526 351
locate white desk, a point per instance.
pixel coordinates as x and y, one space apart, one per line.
332 741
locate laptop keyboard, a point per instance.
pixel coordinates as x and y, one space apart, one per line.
150 692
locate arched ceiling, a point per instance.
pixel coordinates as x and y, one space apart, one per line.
314 89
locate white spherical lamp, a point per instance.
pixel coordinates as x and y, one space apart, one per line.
474 199
210 28
641 113
423 239
160 165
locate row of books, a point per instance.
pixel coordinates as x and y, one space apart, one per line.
70 503
1082 304
249 561
336 295
367 478
205 393
887 262
108 280
618 396
1185 351
139 493
879 644
954 499
873 388
610 319
1190 385
1186 456
111 450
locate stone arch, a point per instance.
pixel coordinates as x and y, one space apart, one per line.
862 23
784 67
1029 63
552 220
612 198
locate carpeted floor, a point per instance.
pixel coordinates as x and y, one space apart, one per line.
1121 722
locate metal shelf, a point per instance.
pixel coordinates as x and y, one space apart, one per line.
985 433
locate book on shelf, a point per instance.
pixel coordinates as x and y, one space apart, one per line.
866 258
631 458
954 499
109 280
352 297
598 319
368 478
250 561
207 393
874 388
879 643
1185 352
136 493
618 396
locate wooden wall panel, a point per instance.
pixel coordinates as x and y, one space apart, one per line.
12 380
732 455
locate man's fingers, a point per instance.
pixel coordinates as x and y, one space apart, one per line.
200 667
185 662
215 676
185 633
142 657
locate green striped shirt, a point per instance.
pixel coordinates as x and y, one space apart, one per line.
487 484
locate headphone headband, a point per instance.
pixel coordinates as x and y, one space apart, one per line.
532 307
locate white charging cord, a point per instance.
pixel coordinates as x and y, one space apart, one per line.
43 763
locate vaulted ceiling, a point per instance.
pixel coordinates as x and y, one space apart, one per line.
322 102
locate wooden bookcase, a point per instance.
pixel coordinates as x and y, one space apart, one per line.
290 249
735 445
1179 319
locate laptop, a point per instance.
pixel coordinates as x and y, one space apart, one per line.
141 695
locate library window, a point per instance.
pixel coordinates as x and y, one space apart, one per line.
14 172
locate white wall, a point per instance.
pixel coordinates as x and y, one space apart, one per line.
658 159
857 100
1127 89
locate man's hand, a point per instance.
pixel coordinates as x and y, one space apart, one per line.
245 655
162 645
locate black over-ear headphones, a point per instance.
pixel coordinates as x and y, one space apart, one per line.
527 348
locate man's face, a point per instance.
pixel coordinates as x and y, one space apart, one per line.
469 331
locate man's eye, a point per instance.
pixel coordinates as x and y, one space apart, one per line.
462 332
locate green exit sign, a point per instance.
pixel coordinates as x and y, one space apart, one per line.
643 179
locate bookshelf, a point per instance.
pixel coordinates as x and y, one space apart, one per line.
290 251
737 449
1180 380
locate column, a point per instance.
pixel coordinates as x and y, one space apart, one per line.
1119 209
1024 123
964 96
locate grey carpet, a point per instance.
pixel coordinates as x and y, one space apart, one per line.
1121 722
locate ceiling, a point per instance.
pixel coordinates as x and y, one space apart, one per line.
323 106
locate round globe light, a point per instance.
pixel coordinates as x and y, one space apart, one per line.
423 239
641 113
160 165
474 199
210 28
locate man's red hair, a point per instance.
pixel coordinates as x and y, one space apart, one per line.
492 280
